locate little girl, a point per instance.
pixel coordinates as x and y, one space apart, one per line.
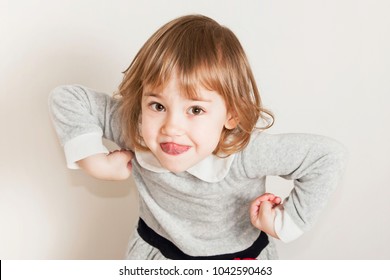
187 118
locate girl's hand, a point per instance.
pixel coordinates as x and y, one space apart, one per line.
114 166
262 213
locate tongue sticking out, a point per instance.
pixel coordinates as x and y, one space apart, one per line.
174 149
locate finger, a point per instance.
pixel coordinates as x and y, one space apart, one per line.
254 215
254 207
277 200
265 197
254 212
128 154
113 152
266 207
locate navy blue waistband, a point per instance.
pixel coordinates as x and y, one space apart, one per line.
171 251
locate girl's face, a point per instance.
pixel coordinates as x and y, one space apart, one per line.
181 132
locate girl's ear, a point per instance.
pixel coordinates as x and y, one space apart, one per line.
231 121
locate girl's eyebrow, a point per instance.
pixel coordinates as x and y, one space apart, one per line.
152 94
157 95
200 99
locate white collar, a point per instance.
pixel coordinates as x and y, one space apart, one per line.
212 169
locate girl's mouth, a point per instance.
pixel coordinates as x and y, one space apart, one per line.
173 148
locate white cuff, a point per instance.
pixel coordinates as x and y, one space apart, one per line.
285 227
83 146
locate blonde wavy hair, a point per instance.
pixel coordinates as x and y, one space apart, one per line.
200 52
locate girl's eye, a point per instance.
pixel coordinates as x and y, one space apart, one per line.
195 111
157 107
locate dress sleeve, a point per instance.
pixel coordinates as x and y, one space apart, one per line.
81 118
314 163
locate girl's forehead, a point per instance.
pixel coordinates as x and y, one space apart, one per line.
200 93
174 85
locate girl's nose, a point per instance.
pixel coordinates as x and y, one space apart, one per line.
173 125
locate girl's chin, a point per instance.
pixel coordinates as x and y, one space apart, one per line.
175 166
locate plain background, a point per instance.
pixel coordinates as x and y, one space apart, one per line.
322 67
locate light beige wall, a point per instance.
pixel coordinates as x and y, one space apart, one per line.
322 67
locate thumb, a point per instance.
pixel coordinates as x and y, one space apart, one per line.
129 155
266 207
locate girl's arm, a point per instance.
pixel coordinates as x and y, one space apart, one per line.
82 117
314 164
114 166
